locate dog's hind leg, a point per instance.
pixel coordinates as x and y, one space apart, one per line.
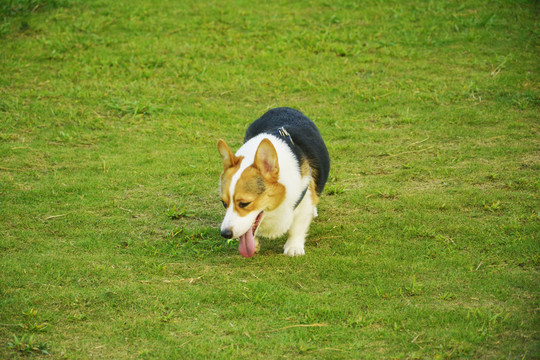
299 228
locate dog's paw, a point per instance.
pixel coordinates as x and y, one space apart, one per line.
294 251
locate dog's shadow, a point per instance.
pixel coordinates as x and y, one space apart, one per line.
272 246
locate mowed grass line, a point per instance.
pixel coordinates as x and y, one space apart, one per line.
427 241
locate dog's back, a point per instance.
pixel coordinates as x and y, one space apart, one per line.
305 140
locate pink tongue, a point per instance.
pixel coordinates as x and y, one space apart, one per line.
247 244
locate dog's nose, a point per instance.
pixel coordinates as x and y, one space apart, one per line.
226 233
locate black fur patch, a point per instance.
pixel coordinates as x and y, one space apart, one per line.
306 139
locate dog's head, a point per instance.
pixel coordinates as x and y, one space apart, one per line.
249 187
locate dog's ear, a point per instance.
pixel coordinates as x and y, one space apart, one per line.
266 160
229 160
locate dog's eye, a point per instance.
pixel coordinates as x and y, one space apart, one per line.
224 205
243 204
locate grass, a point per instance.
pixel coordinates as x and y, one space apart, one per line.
427 241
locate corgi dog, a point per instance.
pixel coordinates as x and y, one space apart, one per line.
272 184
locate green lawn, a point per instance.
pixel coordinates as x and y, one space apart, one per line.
427 240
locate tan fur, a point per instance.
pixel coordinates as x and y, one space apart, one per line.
261 193
313 191
226 180
229 159
306 170
231 164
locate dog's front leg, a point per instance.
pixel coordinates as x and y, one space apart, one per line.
299 228
257 245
